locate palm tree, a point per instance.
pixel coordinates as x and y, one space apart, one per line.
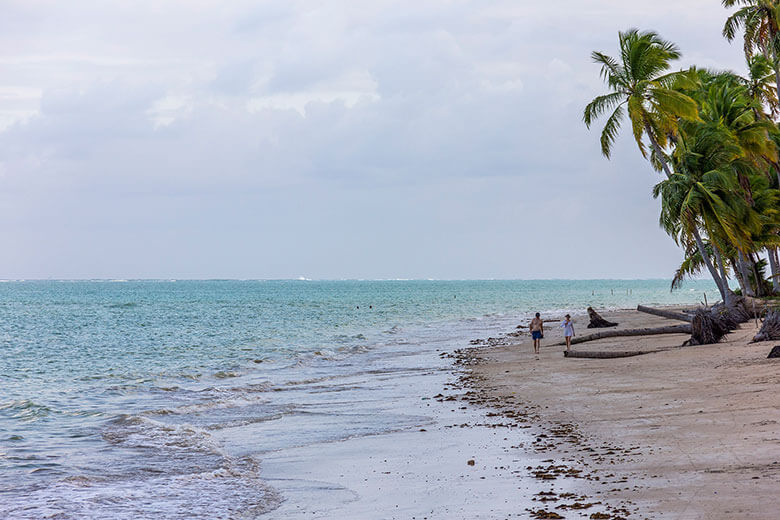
729 109
738 105
641 86
761 22
698 197
761 85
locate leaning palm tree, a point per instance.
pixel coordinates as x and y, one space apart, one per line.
731 113
692 204
762 89
703 202
641 86
737 105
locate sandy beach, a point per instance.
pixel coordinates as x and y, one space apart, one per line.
686 433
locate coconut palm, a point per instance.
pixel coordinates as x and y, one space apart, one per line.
761 85
726 103
641 87
760 20
732 114
737 105
691 204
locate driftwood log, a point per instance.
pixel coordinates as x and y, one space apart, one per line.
683 328
597 322
601 354
770 329
672 315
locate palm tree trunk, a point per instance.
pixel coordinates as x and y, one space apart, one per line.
738 275
771 253
720 281
708 262
777 72
775 64
743 269
760 282
728 296
658 152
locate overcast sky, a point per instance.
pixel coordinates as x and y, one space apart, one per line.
339 139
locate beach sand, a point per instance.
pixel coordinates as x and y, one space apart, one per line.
688 433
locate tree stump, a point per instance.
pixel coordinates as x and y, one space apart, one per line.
770 329
709 326
597 322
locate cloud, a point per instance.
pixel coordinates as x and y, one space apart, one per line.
381 139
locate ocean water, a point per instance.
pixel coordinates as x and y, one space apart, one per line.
185 399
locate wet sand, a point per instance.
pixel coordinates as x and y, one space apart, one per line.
686 433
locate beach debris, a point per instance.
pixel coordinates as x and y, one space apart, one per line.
770 329
709 326
543 513
511 411
578 505
597 322
775 352
470 462
493 342
606 354
683 328
672 315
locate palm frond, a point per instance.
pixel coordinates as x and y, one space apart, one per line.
609 134
600 105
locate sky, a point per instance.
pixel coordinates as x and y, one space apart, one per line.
283 139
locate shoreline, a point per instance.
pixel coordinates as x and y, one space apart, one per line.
690 432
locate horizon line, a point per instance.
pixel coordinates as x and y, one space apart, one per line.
304 279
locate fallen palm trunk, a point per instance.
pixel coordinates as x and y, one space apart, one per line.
755 307
597 322
770 329
672 315
600 354
683 328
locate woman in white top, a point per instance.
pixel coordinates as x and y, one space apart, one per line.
568 331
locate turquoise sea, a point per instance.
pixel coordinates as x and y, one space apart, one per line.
167 398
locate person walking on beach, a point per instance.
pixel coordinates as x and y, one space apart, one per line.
568 331
537 332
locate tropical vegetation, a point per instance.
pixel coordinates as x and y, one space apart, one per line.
715 137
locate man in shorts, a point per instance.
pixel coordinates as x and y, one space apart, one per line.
537 332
